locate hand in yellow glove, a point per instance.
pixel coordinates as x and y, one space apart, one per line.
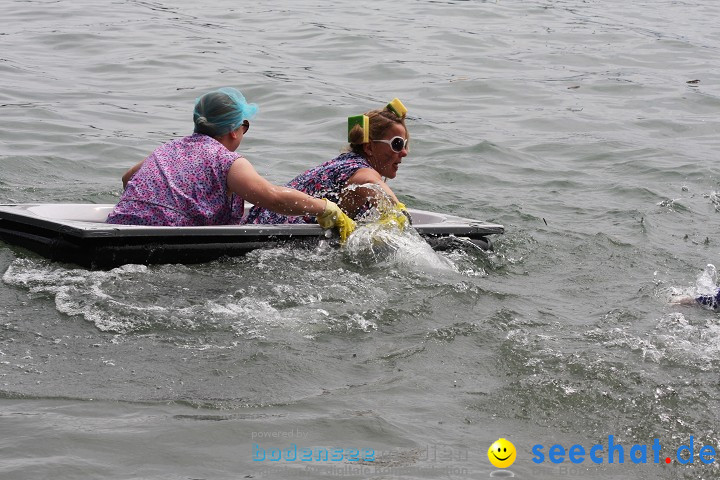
334 217
397 216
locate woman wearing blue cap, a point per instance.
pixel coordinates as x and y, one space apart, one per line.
200 180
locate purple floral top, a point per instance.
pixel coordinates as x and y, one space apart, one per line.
182 183
324 181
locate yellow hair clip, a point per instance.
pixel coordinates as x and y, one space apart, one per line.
397 107
362 121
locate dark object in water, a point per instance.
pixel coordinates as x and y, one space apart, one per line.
77 233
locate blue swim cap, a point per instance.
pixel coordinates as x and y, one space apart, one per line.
221 111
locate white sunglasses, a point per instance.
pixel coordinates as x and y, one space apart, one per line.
396 143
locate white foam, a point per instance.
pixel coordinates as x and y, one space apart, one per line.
674 339
382 245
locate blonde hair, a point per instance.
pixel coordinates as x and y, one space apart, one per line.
380 121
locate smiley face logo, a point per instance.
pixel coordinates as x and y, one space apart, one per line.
501 453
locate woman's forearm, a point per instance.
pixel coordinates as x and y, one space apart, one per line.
288 201
244 180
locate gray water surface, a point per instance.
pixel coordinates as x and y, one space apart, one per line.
589 129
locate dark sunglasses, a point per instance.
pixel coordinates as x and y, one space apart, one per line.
246 126
396 143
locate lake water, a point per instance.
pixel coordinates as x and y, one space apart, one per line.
589 128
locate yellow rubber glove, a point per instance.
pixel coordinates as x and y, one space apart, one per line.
334 217
397 216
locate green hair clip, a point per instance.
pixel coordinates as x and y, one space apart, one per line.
363 121
397 107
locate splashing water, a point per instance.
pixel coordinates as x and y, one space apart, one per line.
705 284
384 238
238 297
703 292
715 200
707 281
377 244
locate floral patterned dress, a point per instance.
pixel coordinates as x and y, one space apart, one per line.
182 183
324 181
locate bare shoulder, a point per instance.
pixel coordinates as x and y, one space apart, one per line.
365 175
241 166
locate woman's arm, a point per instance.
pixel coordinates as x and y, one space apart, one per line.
128 175
353 199
247 183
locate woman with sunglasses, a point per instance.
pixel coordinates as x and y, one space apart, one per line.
200 180
370 157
